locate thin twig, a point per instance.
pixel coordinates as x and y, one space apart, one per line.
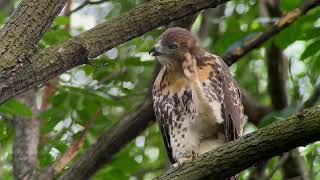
282 23
112 76
311 171
280 163
85 3
315 96
71 152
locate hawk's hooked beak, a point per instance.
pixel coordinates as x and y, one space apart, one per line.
154 51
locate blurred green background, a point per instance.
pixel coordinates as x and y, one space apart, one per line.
116 82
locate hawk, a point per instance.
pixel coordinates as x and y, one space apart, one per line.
196 100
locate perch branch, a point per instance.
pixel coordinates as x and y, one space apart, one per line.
298 130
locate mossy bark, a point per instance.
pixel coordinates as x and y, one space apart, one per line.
273 140
22 67
18 42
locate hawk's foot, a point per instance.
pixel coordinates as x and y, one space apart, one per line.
189 67
183 160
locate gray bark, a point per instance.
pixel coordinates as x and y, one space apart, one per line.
26 139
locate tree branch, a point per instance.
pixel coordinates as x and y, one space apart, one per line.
293 166
253 109
282 159
72 151
111 141
275 139
84 4
315 96
21 34
45 64
19 38
283 22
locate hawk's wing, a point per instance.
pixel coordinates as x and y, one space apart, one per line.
232 105
229 96
162 118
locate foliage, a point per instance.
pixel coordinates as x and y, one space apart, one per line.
117 81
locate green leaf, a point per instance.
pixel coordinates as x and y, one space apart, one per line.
16 108
314 69
311 33
312 49
287 5
62 20
277 115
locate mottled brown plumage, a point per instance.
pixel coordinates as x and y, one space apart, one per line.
196 100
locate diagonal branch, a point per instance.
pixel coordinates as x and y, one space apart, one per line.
72 151
84 4
275 139
48 63
282 23
21 33
315 96
111 141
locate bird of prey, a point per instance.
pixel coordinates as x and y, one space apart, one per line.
196 100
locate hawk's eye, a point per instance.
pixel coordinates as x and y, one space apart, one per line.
173 46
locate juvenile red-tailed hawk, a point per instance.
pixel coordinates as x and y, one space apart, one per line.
196 100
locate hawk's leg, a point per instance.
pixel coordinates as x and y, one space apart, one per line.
185 141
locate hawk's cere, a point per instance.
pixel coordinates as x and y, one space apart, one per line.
196 100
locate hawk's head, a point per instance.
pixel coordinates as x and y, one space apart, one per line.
172 45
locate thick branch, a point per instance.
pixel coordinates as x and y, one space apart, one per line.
48 63
19 38
21 34
275 139
111 142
